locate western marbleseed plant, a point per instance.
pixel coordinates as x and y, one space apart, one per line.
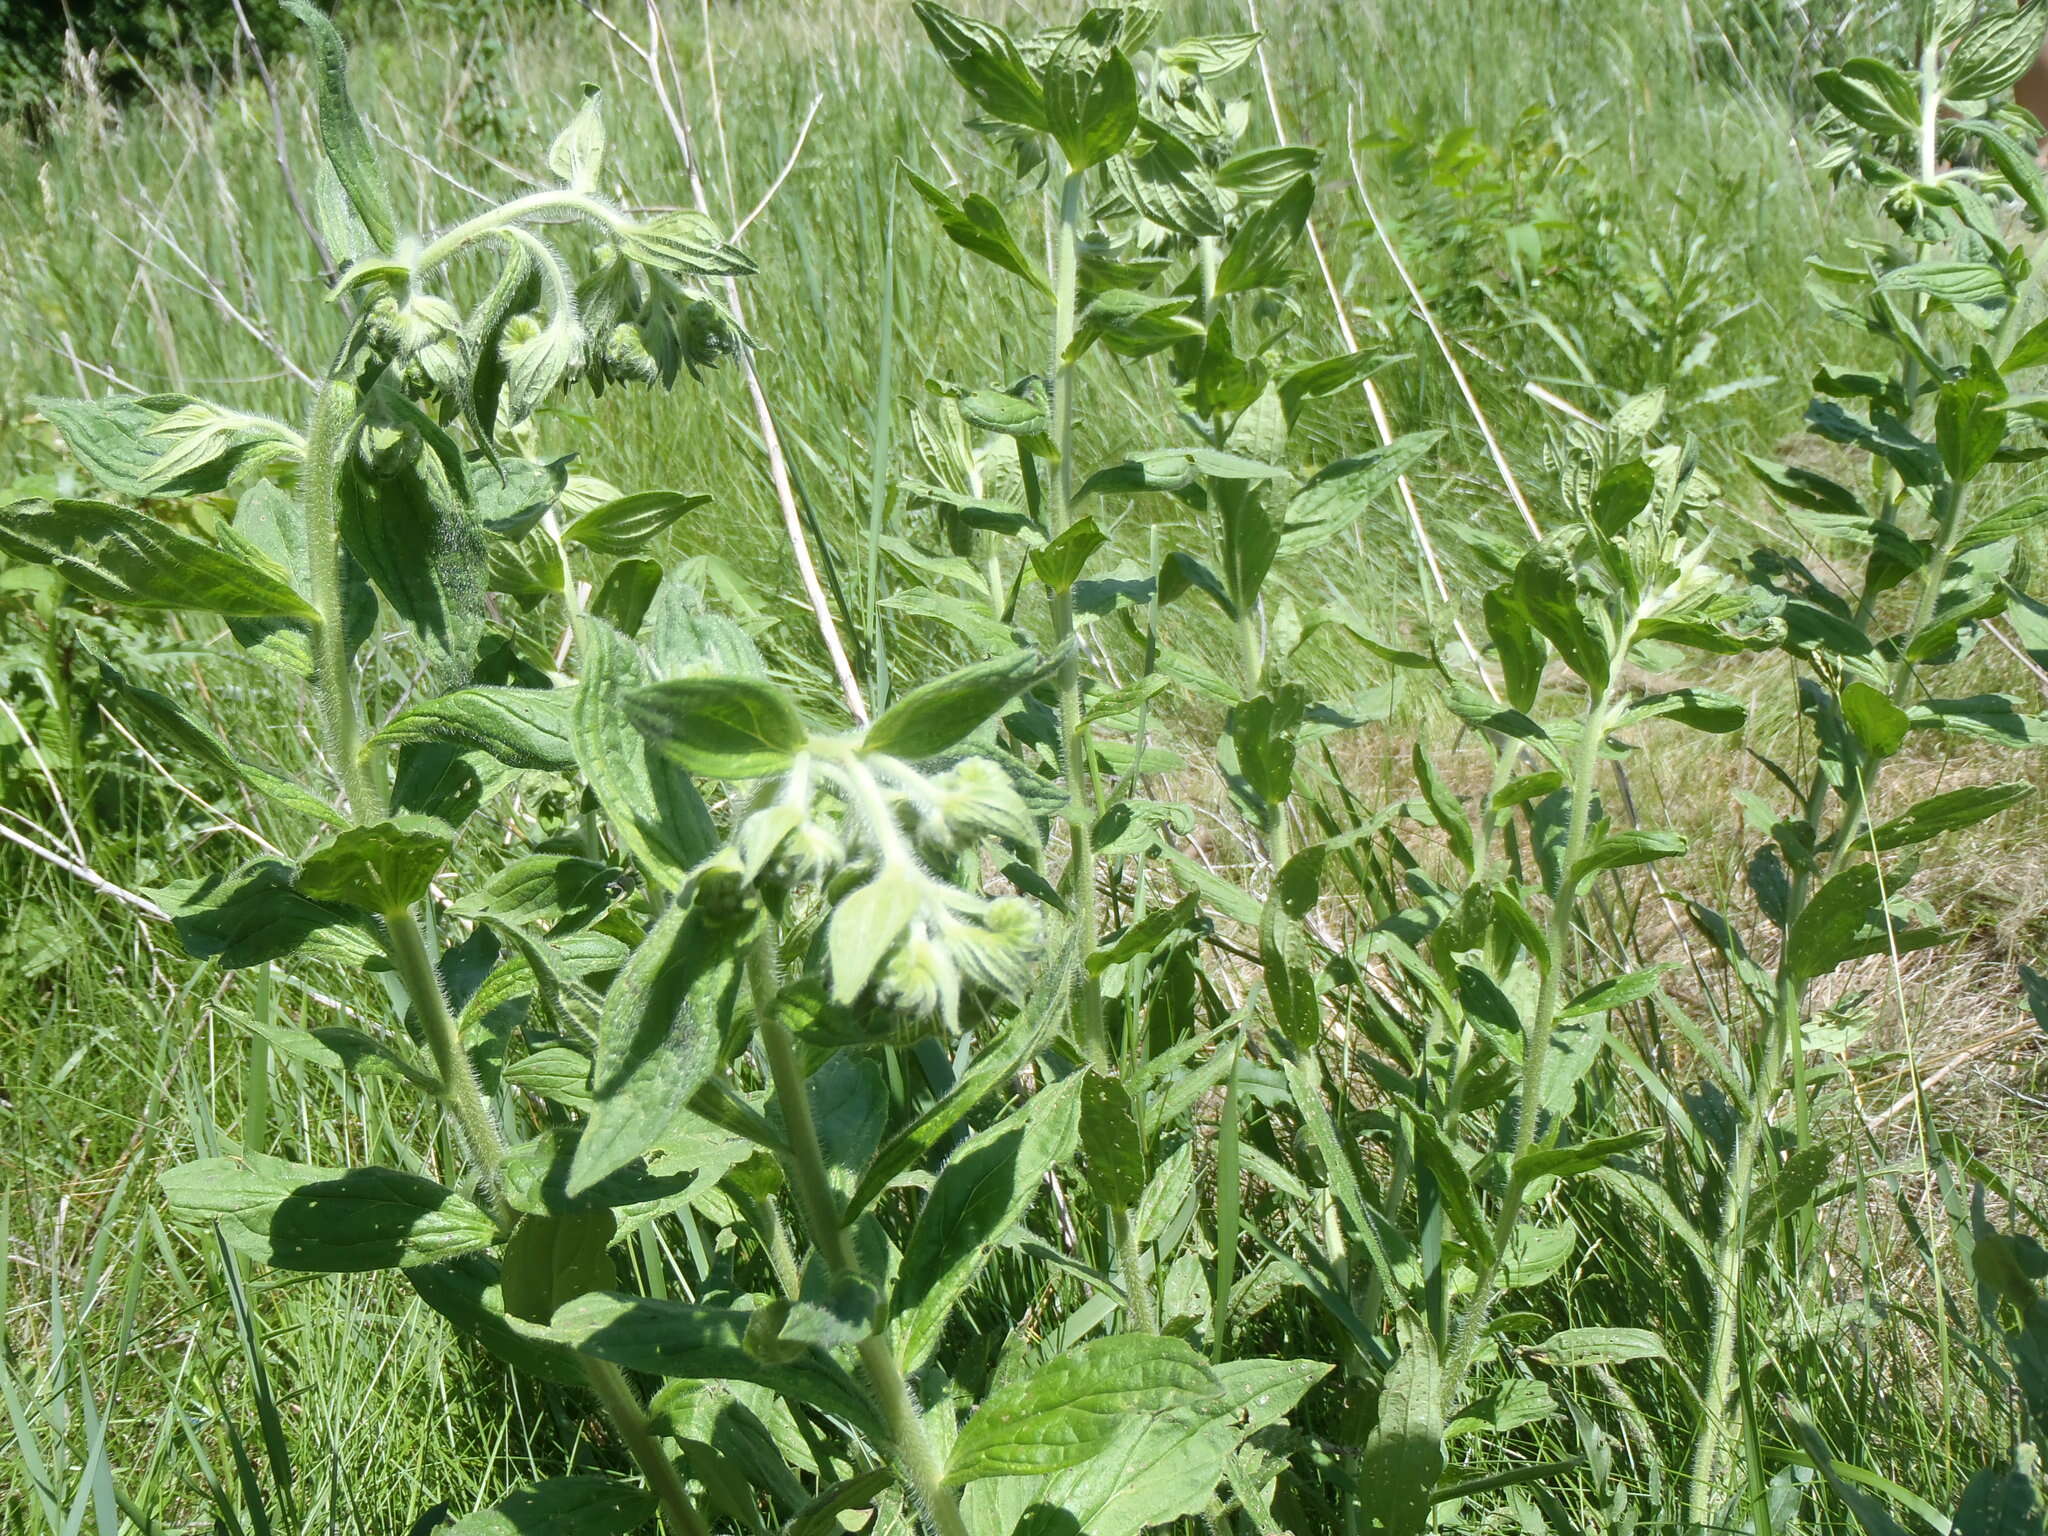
899 1127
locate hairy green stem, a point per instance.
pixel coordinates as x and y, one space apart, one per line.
1536 1049
1782 1052
334 410
1076 750
461 1093
678 1514
805 1162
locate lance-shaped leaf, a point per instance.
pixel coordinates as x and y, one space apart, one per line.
1546 589
385 867
1091 91
983 1191
555 1257
1830 928
1134 324
673 1338
416 534
1341 494
658 1037
122 556
256 914
930 718
163 445
1260 253
625 525
1621 850
652 805
581 1504
577 155
686 243
1073 1405
342 137
992 1068
326 1220
978 225
1600 1346
987 64
520 727
1947 812
466 1291
720 727
1993 53
1111 1141
1404 1455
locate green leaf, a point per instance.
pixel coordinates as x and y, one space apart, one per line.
1947 812
658 1037
978 225
1313 381
1175 469
581 1504
1582 1157
164 445
1871 94
1156 1469
342 138
563 891
1546 589
939 714
1827 931
1617 992
1090 90
1404 1455
674 1338
323 1220
1111 1141
1260 175
1445 809
466 1292
1342 493
520 727
2003 1501
1071 1407
1968 427
1261 251
417 535
577 155
1994 717
983 1191
385 867
120 556
1622 494
626 525
1992 55
1134 324
1878 723
627 593
719 727
553 1259
341 1048
1806 488
1059 564
994 1065
1169 183
1701 708
256 914
1619 850
987 64
656 811
685 243
1600 1346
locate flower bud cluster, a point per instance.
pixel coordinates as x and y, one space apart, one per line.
876 838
